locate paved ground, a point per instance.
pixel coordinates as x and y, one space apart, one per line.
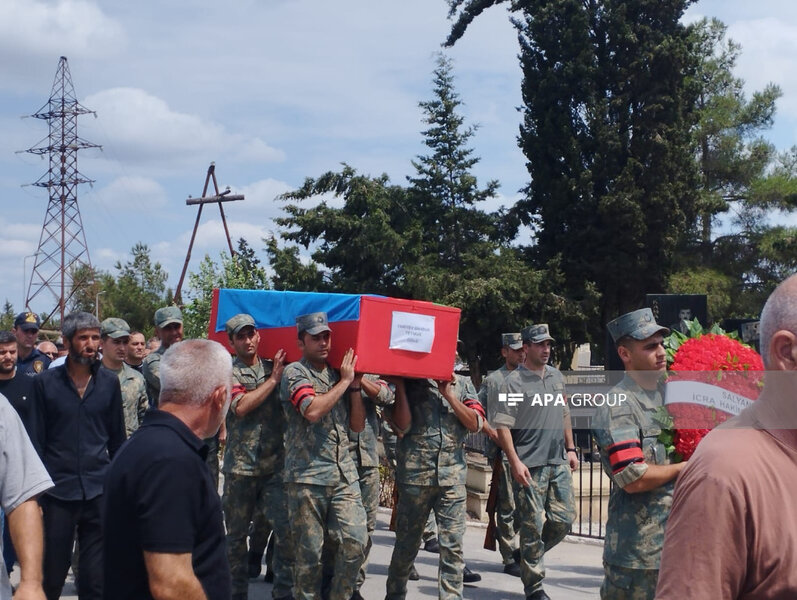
574 571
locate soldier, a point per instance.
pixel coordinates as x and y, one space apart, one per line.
433 418
29 360
136 351
627 435
538 443
363 448
324 502
512 352
115 335
169 326
253 458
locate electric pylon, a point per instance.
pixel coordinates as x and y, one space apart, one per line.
62 265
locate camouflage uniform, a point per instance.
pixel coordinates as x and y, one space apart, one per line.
538 438
635 525
389 441
253 464
431 474
627 435
324 502
364 452
506 529
134 396
152 375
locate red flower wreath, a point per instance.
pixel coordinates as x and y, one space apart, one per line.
712 358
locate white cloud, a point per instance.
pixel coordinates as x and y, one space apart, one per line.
137 128
131 194
34 33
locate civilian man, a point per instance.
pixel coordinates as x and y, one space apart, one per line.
79 426
732 527
22 478
162 513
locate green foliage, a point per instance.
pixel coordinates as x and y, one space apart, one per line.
290 273
138 291
7 316
718 287
607 117
241 271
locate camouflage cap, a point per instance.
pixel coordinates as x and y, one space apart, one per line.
638 324
238 322
314 323
114 328
512 340
27 320
536 333
168 315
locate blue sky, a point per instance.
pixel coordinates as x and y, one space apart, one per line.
273 91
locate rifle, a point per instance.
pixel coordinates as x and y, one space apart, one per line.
492 502
392 526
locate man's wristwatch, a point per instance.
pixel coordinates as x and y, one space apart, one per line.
571 450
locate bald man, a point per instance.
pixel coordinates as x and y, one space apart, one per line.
732 526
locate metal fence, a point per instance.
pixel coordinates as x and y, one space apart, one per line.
591 485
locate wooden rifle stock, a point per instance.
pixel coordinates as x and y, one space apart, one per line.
492 502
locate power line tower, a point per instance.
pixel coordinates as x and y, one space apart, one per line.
62 264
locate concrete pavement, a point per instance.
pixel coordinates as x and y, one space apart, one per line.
574 570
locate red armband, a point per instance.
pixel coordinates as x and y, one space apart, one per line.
475 405
300 394
623 454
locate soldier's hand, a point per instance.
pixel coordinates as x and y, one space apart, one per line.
521 474
279 365
572 459
445 386
347 366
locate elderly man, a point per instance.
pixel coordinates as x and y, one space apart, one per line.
321 404
538 443
254 457
115 334
47 348
26 330
733 524
79 425
162 513
637 462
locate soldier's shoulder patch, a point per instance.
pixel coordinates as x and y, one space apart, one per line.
38 366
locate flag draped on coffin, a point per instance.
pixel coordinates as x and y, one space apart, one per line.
390 336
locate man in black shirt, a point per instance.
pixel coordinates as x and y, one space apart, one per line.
17 387
78 425
162 511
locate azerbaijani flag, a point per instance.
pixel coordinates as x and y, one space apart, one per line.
390 336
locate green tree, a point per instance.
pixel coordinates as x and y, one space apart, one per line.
138 291
289 272
241 271
731 155
7 317
363 245
608 101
